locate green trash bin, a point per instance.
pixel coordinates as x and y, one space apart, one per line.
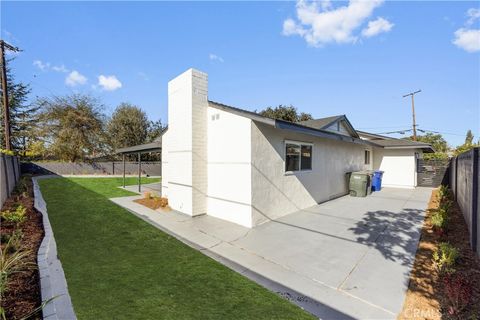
359 183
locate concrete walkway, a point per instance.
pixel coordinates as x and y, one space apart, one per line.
343 259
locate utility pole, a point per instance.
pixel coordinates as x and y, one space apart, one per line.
414 125
6 110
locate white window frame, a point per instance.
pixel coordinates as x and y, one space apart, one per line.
298 143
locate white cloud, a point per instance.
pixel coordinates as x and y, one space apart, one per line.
60 68
46 66
472 14
75 78
109 83
467 38
41 65
214 57
377 26
321 25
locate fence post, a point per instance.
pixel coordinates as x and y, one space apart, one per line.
5 172
12 160
456 176
113 168
474 198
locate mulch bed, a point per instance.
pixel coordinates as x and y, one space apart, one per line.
23 291
426 297
152 203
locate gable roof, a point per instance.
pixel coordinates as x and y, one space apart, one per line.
320 123
317 127
298 127
325 123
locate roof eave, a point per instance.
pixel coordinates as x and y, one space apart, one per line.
285 125
425 148
141 148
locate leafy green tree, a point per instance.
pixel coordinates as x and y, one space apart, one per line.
72 126
469 138
155 129
287 113
127 127
23 116
468 144
436 140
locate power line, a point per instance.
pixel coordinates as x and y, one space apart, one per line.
391 127
442 132
422 130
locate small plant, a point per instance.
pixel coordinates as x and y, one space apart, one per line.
440 219
446 205
443 192
11 263
458 292
22 186
18 216
14 241
444 257
163 202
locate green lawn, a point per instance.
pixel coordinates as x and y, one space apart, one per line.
119 267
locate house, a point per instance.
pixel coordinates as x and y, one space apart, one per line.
239 166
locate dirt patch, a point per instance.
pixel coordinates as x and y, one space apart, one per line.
23 292
154 203
426 296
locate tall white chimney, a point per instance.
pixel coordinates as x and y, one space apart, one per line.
185 143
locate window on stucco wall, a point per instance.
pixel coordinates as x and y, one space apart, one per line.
367 157
298 156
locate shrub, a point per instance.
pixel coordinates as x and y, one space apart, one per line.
444 257
458 292
7 152
17 216
21 187
446 205
440 219
443 192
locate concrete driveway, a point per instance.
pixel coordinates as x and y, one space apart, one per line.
346 258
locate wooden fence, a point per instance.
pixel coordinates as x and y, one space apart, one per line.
464 180
151 168
9 175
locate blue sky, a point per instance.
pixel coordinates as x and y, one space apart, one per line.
327 58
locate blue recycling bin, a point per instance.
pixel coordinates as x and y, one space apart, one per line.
377 180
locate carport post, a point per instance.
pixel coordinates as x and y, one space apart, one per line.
123 158
139 173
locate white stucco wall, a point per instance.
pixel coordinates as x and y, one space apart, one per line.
229 167
398 165
184 145
275 193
